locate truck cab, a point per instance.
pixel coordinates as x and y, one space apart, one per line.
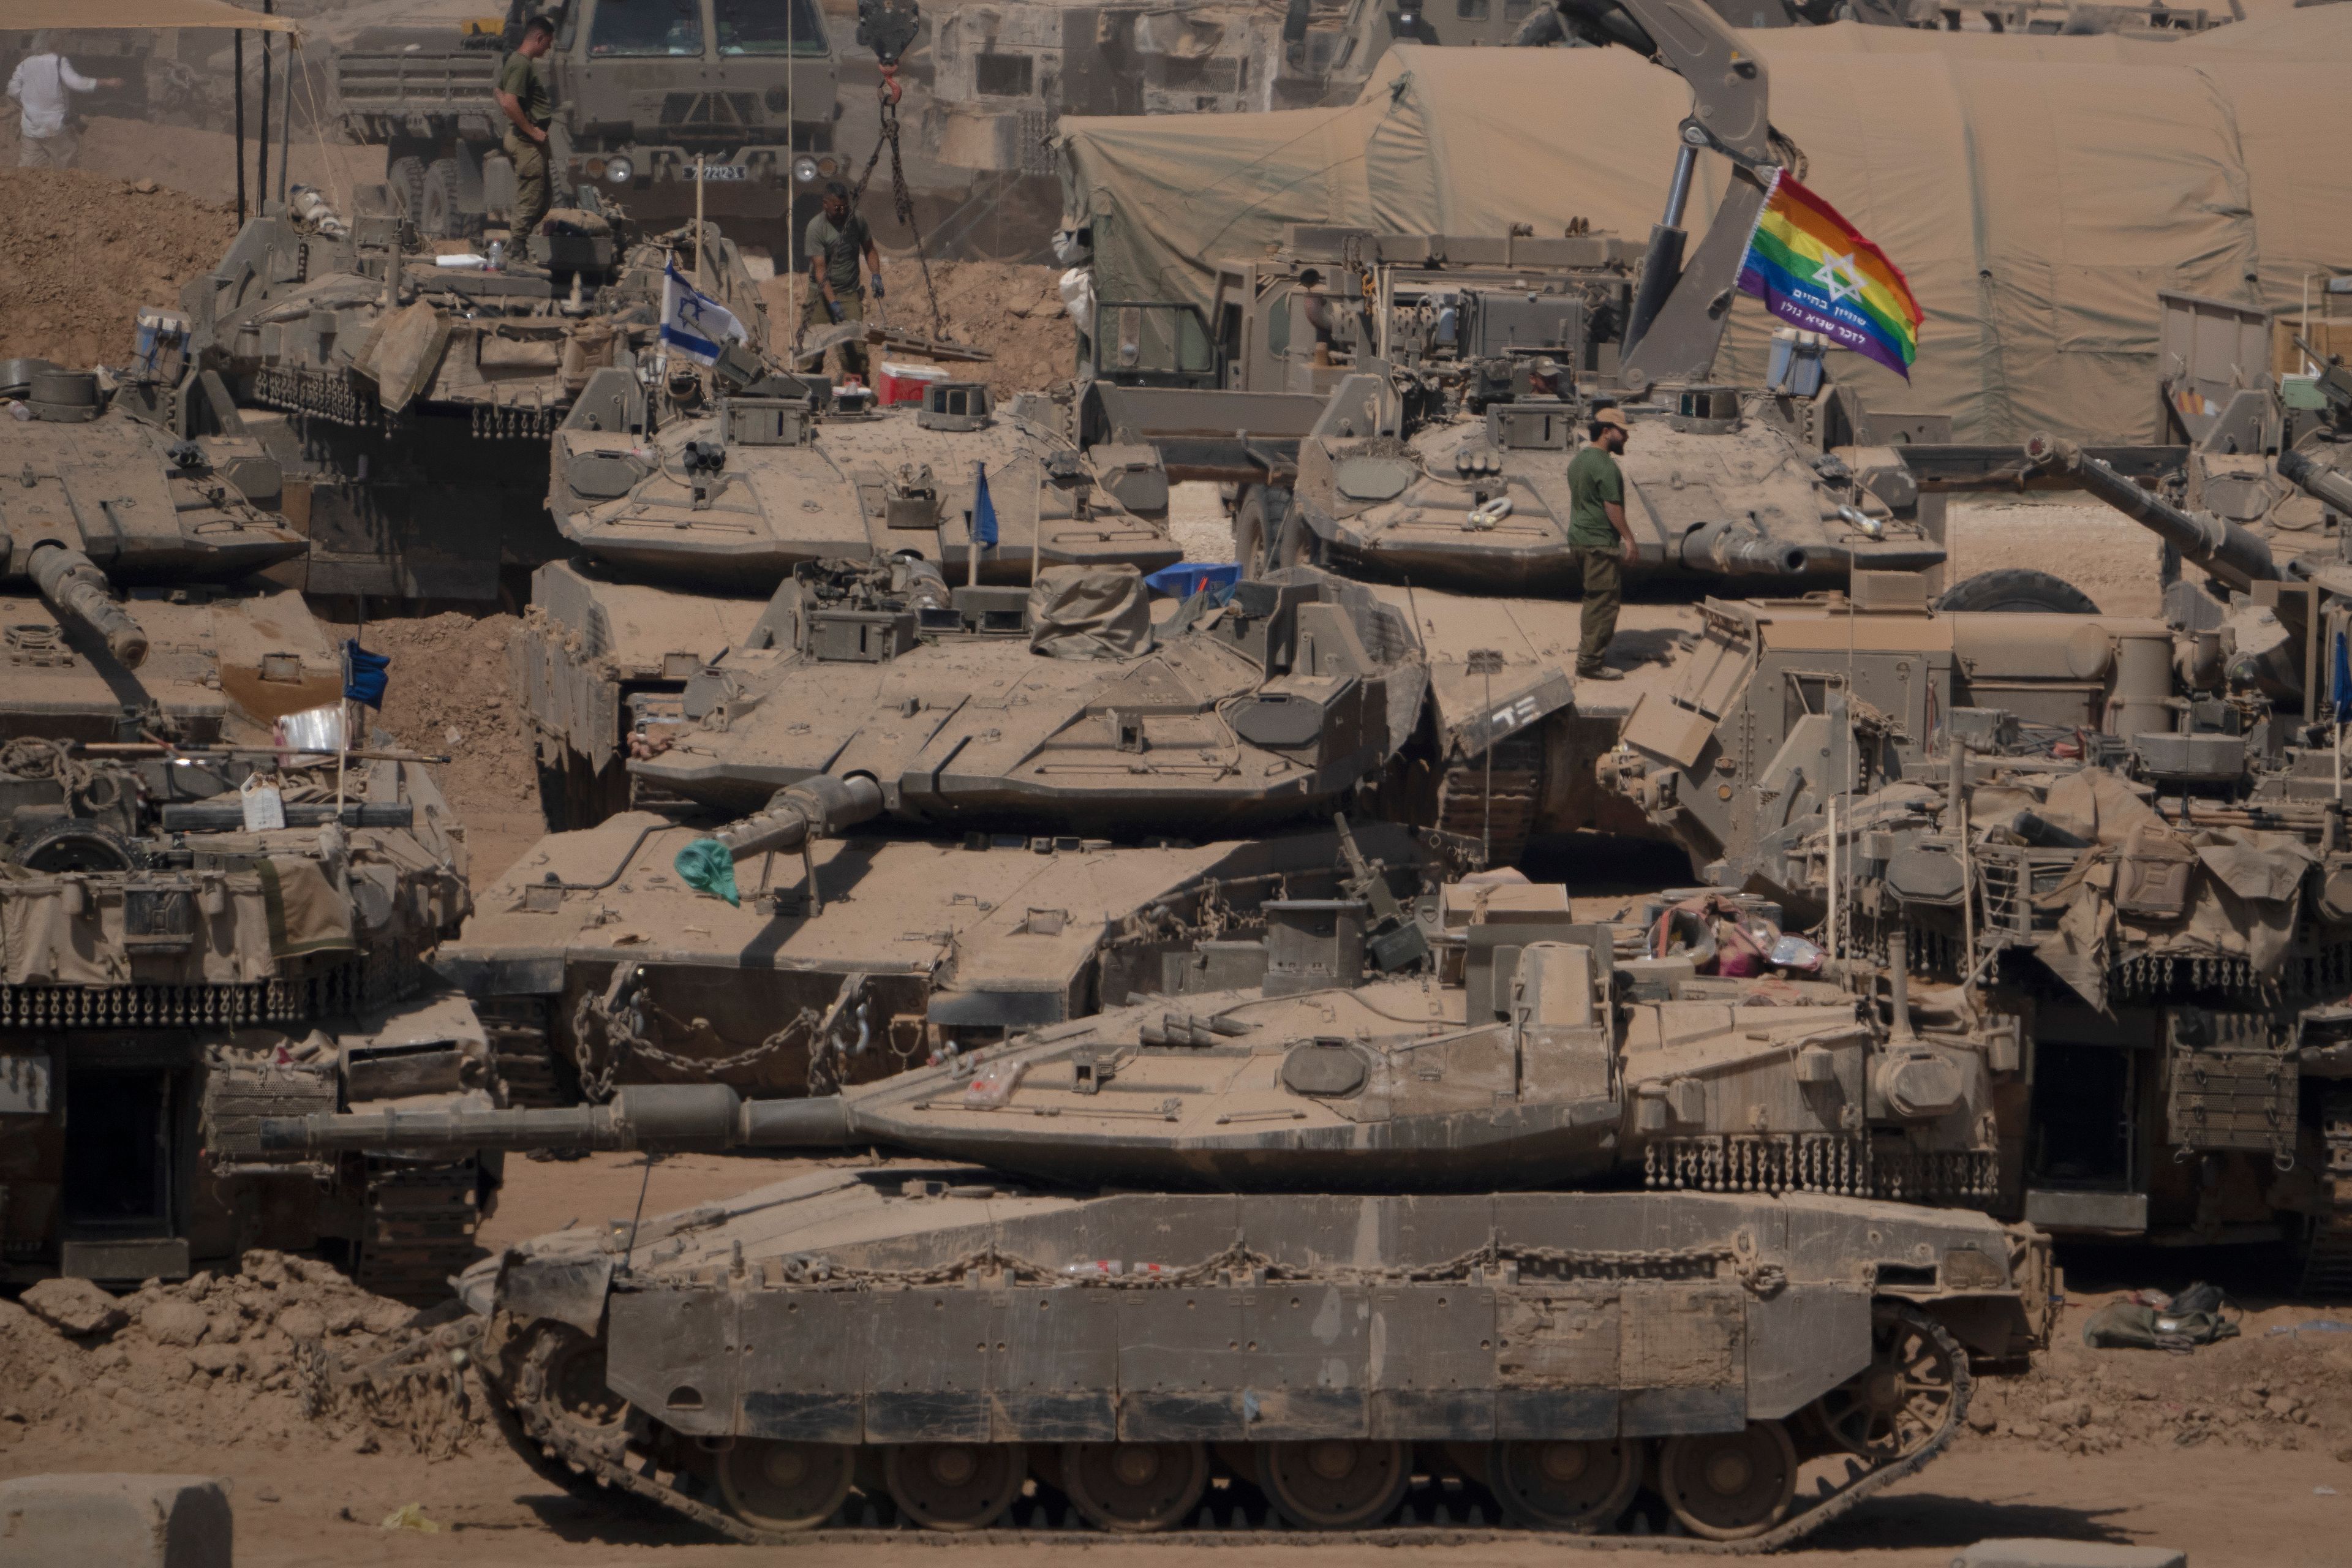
651 96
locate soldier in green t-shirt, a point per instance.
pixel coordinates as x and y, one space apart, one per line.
1598 533
836 242
524 94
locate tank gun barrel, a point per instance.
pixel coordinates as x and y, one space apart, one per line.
811 808
2328 485
74 587
697 1116
2230 555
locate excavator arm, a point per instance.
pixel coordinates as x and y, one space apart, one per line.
1680 309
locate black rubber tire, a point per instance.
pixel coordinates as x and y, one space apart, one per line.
80 846
2017 588
1256 524
438 213
404 177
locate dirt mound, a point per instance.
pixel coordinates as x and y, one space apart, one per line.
80 252
1008 309
2280 1384
242 1358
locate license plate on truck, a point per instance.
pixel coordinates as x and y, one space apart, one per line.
715 171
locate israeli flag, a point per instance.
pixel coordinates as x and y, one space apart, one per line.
693 323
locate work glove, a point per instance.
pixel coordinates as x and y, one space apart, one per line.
877 285
832 309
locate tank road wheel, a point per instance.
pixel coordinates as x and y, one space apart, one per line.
955 1486
785 1486
1910 1395
2017 588
1255 523
437 213
1727 1486
1130 1489
1565 1485
1334 1483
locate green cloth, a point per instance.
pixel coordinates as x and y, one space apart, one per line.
707 867
1593 478
841 248
522 79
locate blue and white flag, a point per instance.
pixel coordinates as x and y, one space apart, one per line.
693 323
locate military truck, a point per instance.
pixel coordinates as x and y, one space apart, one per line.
652 98
1371 1241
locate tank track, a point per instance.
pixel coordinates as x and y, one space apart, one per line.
614 1462
417 1227
2328 1266
525 1054
1462 807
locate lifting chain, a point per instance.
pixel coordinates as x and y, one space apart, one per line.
902 201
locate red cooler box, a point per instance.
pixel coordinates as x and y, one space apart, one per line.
905 382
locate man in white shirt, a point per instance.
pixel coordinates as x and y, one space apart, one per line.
43 79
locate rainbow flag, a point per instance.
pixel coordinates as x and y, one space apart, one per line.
1814 270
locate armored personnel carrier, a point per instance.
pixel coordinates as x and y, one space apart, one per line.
419 391
203 936
874 689
1360 1272
593 956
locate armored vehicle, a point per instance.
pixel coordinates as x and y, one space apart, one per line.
686 528
651 97
1299 1327
419 398
594 956
201 937
876 691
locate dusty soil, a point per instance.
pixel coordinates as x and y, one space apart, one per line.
450 695
1006 308
2241 1453
2094 547
80 252
203 162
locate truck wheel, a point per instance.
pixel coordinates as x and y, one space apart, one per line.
405 177
2017 588
1256 522
437 213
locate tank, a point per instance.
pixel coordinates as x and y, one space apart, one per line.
202 937
1396 1239
592 957
411 402
1064 707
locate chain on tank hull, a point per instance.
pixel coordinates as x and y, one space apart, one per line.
859 1348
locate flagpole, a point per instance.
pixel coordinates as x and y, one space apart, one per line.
701 278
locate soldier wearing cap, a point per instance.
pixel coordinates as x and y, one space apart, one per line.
1544 378
1598 533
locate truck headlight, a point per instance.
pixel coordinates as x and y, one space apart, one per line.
618 171
805 170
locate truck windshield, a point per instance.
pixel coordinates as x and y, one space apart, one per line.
770 28
646 27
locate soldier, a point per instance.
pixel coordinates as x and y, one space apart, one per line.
524 95
40 84
837 239
1598 533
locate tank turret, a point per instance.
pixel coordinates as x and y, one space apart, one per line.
2235 557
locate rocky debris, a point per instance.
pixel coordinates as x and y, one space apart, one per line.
2260 1391
74 1306
80 253
451 694
1011 309
242 1357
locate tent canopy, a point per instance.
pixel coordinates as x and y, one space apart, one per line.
2038 191
24 15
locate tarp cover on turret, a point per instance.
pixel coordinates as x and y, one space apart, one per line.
2037 190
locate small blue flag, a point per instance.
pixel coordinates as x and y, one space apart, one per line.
984 511
365 674
2343 681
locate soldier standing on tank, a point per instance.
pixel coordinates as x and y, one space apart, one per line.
524 93
836 241
1600 537
42 81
